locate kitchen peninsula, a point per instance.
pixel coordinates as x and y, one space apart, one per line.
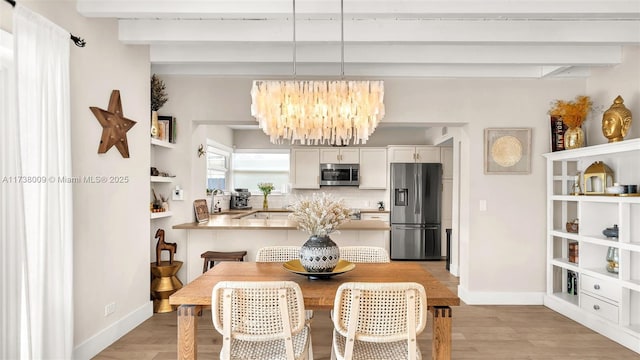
250 230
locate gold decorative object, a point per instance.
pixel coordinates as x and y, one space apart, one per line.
313 111
573 114
597 177
616 121
114 126
573 138
164 284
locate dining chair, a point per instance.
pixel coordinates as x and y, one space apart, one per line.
283 254
378 321
277 253
364 254
261 320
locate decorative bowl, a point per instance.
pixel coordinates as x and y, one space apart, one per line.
611 232
296 267
615 189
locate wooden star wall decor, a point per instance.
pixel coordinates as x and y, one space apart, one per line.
114 126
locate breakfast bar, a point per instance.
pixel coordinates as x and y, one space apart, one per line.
247 231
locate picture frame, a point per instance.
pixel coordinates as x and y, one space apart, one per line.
202 210
507 151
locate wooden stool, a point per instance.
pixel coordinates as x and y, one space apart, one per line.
210 257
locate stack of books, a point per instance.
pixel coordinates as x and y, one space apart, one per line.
573 252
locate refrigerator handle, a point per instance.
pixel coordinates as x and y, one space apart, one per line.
416 185
400 197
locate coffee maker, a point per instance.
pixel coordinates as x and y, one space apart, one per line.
240 199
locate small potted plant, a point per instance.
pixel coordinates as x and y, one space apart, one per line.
266 189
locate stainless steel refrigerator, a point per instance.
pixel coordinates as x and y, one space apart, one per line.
416 196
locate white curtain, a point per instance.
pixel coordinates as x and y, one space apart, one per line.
41 60
11 210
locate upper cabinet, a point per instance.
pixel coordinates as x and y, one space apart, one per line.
340 156
416 154
373 168
305 168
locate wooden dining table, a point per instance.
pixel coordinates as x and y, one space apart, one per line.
319 294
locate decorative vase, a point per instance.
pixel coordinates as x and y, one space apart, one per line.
155 126
613 259
265 203
573 138
319 254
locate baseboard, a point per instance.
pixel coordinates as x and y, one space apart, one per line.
500 298
453 269
100 341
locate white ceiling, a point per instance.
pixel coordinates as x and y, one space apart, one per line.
402 38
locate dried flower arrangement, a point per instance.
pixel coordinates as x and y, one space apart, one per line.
319 215
158 95
573 113
266 188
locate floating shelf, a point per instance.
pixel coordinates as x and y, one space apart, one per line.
161 143
159 215
161 179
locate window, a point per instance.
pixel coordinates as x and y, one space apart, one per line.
251 167
217 167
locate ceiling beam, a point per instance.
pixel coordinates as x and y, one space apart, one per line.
247 9
410 31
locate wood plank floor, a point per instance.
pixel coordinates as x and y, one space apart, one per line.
479 332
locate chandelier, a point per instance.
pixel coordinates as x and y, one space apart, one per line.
313 112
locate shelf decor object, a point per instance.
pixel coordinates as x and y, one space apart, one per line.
573 114
336 112
507 151
158 98
597 177
114 126
616 121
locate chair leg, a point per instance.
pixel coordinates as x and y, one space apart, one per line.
310 357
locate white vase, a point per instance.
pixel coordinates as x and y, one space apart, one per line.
155 127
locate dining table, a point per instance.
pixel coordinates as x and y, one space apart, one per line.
319 294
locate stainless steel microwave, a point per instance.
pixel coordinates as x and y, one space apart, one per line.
339 174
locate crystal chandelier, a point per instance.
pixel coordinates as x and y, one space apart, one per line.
312 112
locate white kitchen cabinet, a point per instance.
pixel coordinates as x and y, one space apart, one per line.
415 154
373 168
340 156
578 283
305 168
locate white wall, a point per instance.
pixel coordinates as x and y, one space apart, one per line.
111 221
607 83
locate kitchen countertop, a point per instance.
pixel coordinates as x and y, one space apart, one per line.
231 220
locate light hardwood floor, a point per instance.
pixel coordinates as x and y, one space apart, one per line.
479 332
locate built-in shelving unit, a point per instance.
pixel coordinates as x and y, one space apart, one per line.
159 180
582 288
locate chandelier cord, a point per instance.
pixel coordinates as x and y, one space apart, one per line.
294 40
342 39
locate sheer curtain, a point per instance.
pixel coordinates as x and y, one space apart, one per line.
41 132
11 210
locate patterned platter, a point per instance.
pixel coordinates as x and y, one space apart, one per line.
295 267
